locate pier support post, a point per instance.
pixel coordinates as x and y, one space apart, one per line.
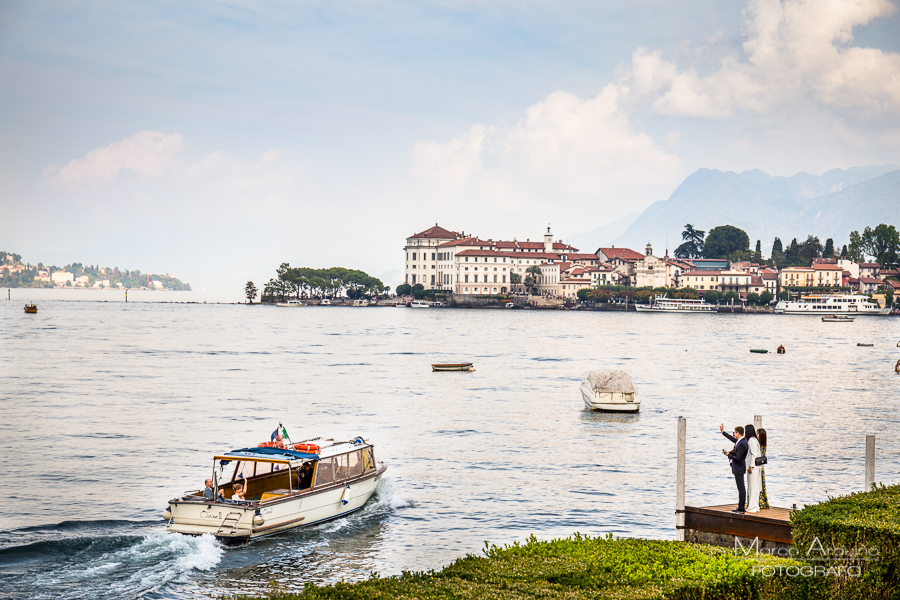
679 493
870 462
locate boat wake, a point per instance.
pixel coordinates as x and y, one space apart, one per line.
101 559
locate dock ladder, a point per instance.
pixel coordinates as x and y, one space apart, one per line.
232 519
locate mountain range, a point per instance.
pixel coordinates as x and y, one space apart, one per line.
828 206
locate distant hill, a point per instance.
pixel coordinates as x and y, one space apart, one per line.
829 205
602 236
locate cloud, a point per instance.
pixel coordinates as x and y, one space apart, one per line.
795 51
153 170
564 145
149 154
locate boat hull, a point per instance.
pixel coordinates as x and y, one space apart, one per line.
455 367
609 401
233 523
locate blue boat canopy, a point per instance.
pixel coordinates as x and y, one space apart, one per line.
267 454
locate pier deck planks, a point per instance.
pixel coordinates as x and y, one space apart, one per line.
772 524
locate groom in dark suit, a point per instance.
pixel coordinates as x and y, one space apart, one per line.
738 459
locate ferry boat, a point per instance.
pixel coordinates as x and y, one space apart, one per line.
609 391
676 305
825 304
286 486
291 303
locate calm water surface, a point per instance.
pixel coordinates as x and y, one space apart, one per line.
108 409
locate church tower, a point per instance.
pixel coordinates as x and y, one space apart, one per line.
548 241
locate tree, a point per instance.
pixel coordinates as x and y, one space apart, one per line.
711 296
535 272
792 254
250 291
766 297
529 282
515 278
693 243
732 297
844 252
783 295
418 287
810 249
583 294
776 246
404 289
855 250
753 298
881 243
725 240
829 248
777 252
759 246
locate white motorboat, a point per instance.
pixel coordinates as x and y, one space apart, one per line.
676 305
285 486
324 302
609 391
291 303
837 319
361 302
419 304
831 304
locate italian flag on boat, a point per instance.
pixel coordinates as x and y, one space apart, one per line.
283 431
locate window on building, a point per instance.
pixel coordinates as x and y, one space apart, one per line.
467 281
504 279
414 256
432 280
476 279
432 256
495 279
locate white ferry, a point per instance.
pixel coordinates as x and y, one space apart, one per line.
285 486
675 305
831 304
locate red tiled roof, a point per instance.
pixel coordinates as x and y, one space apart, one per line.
576 256
482 253
769 275
824 261
870 265
436 232
469 241
701 273
623 253
827 267
755 280
871 280
535 245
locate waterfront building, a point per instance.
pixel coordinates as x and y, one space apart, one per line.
869 270
817 275
770 280
653 271
849 266
421 254
62 278
721 281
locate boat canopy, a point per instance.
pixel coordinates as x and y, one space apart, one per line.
282 455
610 381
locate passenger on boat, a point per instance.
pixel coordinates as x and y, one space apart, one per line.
208 491
304 476
238 494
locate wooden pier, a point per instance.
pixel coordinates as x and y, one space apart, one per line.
717 524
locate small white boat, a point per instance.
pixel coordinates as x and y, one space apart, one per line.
285 486
837 319
324 302
419 304
361 302
291 303
452 367
609 391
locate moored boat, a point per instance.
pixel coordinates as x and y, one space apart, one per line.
290 303
609 391
838 319
825 304
452 367
360 302
676 305
418 304
286 486
31 308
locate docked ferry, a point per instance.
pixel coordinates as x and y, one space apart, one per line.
831 304
676 305
285 486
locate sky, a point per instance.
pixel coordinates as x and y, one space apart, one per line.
215 140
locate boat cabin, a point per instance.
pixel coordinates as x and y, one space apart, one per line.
268 473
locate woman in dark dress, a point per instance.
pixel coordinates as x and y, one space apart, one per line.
763 498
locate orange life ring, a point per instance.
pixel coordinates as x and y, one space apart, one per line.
270 445
312 448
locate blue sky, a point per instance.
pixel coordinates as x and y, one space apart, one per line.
214 140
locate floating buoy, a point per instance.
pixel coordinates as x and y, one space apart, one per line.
865 345
258 520
898 344
345 497
780 350
759 350
897 367
167 514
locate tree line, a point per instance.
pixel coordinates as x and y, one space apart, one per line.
880 244
305 282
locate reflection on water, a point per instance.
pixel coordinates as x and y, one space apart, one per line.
111 409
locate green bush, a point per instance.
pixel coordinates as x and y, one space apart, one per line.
753 298
578 567
863 520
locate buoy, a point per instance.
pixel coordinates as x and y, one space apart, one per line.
780 350
865 345
345 497
167 514
897 367
258 520
759 351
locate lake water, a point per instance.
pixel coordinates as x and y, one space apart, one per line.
107 410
